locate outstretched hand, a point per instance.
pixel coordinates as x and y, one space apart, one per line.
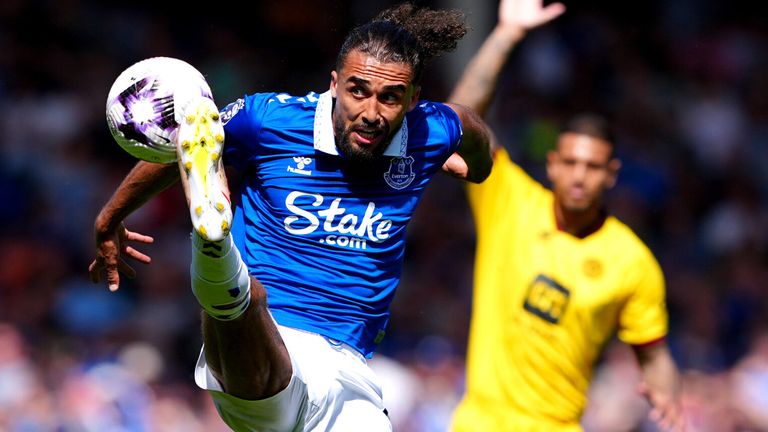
109 246
527 14
666 411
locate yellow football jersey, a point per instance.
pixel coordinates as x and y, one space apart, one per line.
545 303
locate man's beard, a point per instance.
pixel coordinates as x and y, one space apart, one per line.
356 154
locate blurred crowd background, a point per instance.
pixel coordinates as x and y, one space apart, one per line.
684 81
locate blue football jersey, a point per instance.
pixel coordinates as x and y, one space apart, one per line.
325 236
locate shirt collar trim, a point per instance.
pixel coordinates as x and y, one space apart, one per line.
323 131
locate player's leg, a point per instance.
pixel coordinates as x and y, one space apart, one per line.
243 348
247 355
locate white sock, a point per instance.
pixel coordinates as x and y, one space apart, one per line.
220 279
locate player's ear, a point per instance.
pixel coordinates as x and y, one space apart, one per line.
334 83
613 172
414 97
551 164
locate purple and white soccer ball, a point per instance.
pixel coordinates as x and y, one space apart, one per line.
146 102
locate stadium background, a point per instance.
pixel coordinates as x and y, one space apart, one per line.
685 81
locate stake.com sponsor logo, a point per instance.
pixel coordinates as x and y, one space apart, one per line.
336 219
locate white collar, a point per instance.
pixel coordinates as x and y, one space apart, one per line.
325 142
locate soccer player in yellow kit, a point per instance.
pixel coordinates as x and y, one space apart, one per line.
556 276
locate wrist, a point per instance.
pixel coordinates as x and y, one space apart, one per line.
512 33
104 225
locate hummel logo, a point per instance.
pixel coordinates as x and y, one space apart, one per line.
301 163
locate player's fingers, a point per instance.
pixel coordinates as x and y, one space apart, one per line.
642 389
94 270
138 256
113 278
668 418
141 238
126 269
656 414
665 423
551 12
676 420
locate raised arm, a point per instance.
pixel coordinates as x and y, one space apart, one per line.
477 85
475 89
661 385
143 182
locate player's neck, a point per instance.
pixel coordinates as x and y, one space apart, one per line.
579 223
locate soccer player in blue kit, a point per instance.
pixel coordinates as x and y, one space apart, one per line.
296 296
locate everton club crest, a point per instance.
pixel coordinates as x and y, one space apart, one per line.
400 173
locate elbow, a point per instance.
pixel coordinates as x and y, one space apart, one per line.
479 173
480 177
483 165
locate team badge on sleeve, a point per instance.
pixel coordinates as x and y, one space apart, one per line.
400 173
